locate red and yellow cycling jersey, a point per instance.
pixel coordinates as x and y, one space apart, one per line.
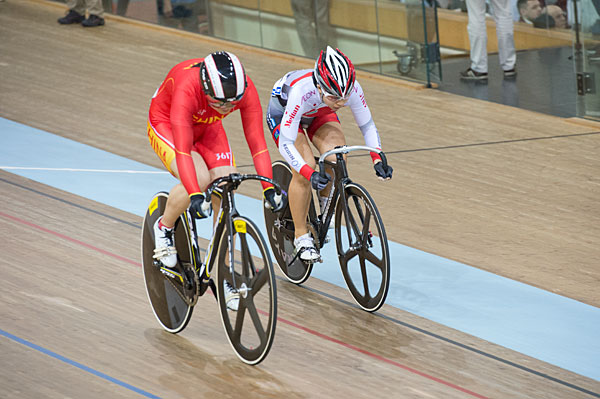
181 104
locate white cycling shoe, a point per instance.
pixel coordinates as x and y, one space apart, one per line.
164 246
232 297
306 250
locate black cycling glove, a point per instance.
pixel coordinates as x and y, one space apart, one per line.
381 172
199 207
273 201
319 182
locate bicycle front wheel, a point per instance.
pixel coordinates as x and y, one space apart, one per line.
251 329
281 232
168 297
362 248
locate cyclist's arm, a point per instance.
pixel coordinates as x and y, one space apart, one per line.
288 132
182 108
364 120
252 122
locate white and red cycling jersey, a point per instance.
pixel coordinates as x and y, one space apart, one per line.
297 105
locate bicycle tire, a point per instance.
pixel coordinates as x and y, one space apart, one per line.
167 296
280 230
251 329
363 250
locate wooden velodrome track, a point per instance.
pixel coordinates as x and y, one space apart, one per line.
499 188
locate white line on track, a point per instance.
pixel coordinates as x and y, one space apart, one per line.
85 170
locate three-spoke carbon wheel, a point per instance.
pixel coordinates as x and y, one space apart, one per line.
170 298
362 248
280 230
251 328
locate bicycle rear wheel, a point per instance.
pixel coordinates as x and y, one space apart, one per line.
280 230
169 298
251 329
362 248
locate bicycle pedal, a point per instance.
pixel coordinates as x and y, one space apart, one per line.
312 262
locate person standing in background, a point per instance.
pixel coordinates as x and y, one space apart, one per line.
312 24
77 10
476 27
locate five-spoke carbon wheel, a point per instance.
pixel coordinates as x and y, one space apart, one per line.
251 328
362 248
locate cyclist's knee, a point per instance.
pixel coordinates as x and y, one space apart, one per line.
300 182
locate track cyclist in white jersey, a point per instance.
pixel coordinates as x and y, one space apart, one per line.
303 108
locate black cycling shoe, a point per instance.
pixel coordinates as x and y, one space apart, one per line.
73 17
93 20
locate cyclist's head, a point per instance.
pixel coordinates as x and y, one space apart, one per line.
334 72
222 76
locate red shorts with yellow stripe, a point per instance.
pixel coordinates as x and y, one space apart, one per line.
210 142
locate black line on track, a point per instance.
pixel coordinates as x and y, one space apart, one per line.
451 147
322 293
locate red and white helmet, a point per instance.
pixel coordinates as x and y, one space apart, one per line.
334 72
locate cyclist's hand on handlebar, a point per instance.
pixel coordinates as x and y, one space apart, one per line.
319 182
381 172
273 201
199 207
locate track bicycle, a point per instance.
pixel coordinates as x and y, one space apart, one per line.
236 253
361 242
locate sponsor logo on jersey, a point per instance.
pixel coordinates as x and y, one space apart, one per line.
308 95
288 123
210 119
288 152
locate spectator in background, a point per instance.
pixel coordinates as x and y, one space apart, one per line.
476 27
77 10
529 10
312 24
183 14
560 17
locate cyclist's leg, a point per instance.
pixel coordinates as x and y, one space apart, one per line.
299 190
178 196
299 197
326 134
161 139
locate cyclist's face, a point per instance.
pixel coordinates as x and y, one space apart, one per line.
333 102
222 107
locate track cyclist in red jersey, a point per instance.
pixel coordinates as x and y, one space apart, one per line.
303 108
185 130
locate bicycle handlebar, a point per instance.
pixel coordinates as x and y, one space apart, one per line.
346 149
236 179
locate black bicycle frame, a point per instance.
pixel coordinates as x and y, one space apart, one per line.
228 211
341 170
324 219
